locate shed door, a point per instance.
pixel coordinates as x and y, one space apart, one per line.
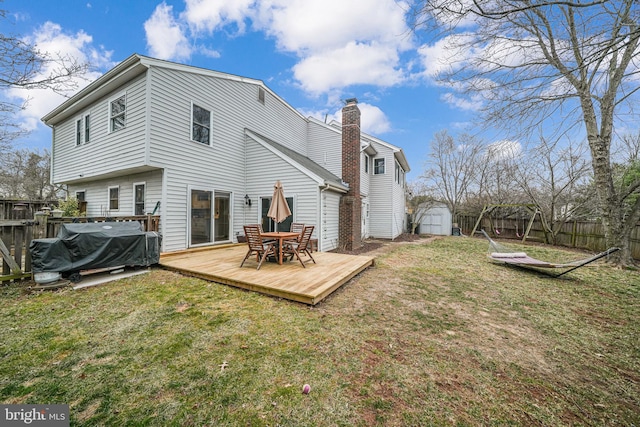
433 224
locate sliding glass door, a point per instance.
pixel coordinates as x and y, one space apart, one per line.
209 217
200 217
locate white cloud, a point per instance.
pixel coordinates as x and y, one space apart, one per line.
372 119
503 150
338 43
349 65
52 40
165 37
447 54
471 103
307 27
208 16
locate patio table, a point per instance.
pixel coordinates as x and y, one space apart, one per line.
280 236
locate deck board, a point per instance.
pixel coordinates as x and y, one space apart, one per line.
308 285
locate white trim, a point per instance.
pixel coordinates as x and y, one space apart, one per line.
294 208
190 189
109 101
336 126
85 129
210 142
318 179
133 198
78 134
384 164
212 224
109 198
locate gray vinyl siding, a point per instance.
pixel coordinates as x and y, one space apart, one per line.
96 193
263 169
175 212
156 139
329 220
325 147
234 106
106 152
365 177
399 217
382 198
219 167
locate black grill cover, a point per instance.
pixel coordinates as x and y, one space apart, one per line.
85 246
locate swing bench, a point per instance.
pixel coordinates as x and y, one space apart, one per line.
501 254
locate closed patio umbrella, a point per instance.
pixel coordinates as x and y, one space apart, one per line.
279 209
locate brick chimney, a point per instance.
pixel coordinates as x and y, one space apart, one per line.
349 233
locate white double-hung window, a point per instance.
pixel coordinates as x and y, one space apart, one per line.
200 124
378 166
117 113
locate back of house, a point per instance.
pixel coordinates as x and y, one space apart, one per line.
203 149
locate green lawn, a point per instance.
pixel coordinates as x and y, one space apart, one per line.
434 334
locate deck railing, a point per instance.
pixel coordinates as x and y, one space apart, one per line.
16 236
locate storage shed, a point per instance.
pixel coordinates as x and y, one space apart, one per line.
436 220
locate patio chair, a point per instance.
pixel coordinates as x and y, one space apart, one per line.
295 248
257 245
265 240
296 227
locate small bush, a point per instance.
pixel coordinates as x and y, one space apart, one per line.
69 207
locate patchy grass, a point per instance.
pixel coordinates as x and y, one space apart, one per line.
434 334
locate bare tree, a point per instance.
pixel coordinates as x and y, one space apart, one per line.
568 64
419 201
497 180
23 65
451 167
630 147
25 175
11 173
552 177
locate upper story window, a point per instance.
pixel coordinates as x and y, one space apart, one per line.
261 95
78 131
378 166
117 113
83 125
87 126
398 174
200 125
367 159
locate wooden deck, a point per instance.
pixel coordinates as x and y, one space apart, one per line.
291 281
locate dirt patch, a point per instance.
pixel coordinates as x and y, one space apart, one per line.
378 245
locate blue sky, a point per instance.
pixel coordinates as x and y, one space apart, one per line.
313 53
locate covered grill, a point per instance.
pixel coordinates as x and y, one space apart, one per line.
85 246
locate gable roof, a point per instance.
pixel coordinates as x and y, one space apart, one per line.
302 163
129 69
366 139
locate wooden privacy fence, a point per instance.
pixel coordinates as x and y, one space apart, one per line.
575 234
16 236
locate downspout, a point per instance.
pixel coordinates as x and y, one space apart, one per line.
53 145
320 214
244 206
